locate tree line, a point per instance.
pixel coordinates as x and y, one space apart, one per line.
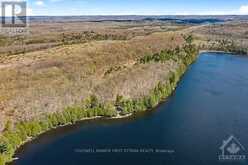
82 37
185 54
226 45
14 136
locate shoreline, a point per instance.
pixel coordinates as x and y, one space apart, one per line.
70 124
30 130
221 51
103 117
118 116
212 51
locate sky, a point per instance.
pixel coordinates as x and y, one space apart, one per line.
137 7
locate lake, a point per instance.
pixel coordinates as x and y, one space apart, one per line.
209 105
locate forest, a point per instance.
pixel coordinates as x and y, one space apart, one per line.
15 135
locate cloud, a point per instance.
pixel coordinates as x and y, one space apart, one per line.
41 7
56 0
39 3
29 11
243 9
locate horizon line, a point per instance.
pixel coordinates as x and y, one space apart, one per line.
137 15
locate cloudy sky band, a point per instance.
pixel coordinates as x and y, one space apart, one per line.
136 7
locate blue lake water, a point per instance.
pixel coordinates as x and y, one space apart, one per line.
209 105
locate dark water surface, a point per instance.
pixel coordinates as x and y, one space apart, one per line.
209 105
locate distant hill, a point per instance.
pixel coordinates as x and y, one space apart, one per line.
176 19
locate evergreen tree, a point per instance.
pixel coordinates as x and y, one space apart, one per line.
2 160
